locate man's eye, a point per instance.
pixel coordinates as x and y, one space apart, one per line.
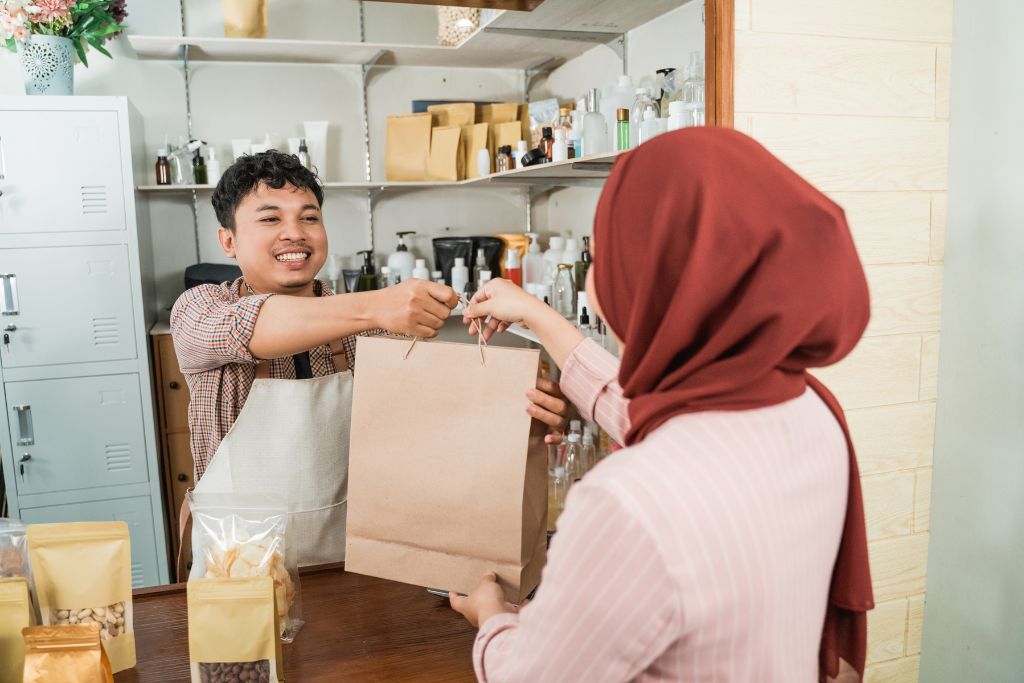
312 219
269 219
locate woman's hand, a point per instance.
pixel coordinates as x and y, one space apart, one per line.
548 405
505 303
486 600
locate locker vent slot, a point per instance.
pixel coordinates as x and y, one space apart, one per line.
119 457
94 199
105 332
138 575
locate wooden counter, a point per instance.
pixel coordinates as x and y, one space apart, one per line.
357 629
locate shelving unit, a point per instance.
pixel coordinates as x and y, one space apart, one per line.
580 171
532 42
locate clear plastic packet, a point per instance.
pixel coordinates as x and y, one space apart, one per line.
241 536
543 113
13 550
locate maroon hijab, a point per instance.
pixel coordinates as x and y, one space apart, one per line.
727 276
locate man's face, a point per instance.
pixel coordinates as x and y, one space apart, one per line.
279 239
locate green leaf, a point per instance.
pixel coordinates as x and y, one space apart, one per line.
96 43
12 44
80 49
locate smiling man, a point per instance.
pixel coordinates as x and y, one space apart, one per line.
239 343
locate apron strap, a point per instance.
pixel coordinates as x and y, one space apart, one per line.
184 540
338 357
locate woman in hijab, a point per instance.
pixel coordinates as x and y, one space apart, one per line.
726 541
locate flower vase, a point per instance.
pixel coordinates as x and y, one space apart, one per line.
48 65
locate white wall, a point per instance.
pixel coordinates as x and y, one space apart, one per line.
974 616
248 100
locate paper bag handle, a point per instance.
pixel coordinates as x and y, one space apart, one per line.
480 341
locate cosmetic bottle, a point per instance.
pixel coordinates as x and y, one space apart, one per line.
199 168
460 276
368 274
533 263
582 266
401 262
213 171
163 167
513 268
622 130
420 272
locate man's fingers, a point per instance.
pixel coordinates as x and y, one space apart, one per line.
443 293
544 400
547 417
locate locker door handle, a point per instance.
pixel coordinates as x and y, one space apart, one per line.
27 438
9 284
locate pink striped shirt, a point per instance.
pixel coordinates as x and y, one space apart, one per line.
703 553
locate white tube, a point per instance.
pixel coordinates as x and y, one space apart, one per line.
316 143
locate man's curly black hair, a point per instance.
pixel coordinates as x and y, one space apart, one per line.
274 168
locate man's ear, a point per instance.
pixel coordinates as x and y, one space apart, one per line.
226 238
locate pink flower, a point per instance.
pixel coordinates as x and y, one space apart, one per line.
50 10
20 33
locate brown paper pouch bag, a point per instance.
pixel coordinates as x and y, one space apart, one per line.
496 114
15 615
232 629
474 138
245 18
524 122
507 134
58 654
83 575
445 163
453 114
443 491
408 145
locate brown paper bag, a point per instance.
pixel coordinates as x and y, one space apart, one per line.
474 139
453 114
83 575
245 18
15 615
58 654
447 472
408 146
524 122
495 115
507 134
446 162
232 629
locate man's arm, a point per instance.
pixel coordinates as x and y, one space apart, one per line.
287 325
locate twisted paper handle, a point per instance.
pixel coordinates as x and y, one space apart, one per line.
480 341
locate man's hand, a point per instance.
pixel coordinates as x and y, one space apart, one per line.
414 307
548 404
486 600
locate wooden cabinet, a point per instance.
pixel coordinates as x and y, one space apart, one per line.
177 467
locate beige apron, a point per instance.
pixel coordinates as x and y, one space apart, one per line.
291 439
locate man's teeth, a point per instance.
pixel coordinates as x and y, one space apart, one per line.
294 256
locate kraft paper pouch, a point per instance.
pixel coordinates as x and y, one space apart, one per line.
245 18
15 615
454 114
443 491
446 160
14 558
83 575
507 134
524 122
474 139
58 654
408 146
495 114
232 631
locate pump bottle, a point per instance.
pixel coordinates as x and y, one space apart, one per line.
402 261
368 275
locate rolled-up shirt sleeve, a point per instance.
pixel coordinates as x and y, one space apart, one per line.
590 380
210 329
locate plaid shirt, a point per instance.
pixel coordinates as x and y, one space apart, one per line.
211 326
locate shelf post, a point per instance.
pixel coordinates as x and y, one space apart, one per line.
366 68
188 121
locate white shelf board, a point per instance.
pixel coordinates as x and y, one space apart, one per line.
514 40
574 171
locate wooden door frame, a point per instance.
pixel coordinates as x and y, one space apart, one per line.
719 42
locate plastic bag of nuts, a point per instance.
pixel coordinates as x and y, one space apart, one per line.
241 536
110 618
13 549
83 575
455 24
233 631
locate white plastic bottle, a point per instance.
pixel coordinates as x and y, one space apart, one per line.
213 171
676 115
437 276
420 272
638 114
460 276
402 261
649 128
571 253
560 150
533 264
595 127
552 257
618 95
